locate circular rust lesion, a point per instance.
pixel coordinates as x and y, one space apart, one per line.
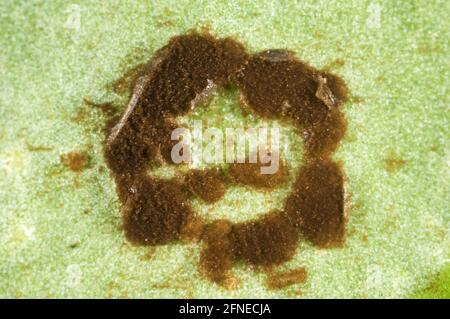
274 84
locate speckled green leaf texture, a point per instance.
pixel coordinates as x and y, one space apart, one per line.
60 231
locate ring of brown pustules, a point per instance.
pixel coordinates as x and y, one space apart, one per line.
273 84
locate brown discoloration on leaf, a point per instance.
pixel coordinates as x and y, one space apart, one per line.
209 185
273 84
280 280
250 174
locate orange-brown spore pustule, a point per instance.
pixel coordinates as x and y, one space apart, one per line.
268 241
217 256
250 174
281 280
155 211
316 204
209 185
179 72
274 84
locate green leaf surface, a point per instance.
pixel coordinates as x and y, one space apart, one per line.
60 231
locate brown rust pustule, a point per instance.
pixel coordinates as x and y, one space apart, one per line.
274 84
250 174
281 280
287 88
316 204
217 257
209 185
268 241
155 211
179 72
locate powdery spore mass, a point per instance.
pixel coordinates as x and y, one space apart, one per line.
274 84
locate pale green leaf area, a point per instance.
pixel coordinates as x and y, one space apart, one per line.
60 231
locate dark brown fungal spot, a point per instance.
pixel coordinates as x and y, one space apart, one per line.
250 174
273 84
176 76
281 280
217 257
316 205
75 161
210 185
192 229
287 89
155 211
206 184
268 241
